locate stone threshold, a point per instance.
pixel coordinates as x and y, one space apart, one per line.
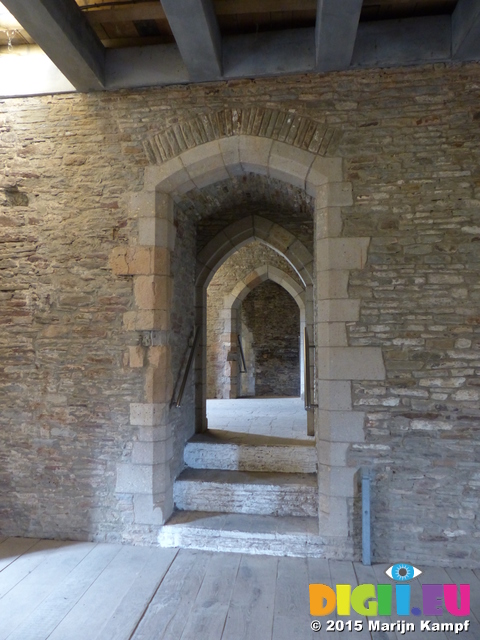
242 533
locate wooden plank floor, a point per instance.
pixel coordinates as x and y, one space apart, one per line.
87 591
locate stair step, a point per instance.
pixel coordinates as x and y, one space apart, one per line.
243 452
240 533
275 494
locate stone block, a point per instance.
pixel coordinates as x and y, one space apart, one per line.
332 285
147 414
341 253
154 452
289 164
332 453
341 310
334 395
298 254
335 522
216 249
146 320
334 194
140 260
254 154
142 204
230 153
136 356
139 478
203 158
150 512
168 177
328 222
158 385
322 171
157 433
153 292
341 426
156 232
280 238
342 482
331 334
240 230
211 174
262 227
350 363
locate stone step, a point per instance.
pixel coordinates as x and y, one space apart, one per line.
275 494
240 533
244 452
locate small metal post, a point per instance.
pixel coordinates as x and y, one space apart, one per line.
366 539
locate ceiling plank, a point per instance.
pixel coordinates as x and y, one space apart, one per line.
335 33
197 34
466 30
63 33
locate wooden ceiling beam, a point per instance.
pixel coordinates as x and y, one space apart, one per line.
197 34
64 34
335 33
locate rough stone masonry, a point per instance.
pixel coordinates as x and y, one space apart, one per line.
69 370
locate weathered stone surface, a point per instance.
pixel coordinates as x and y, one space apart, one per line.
410 152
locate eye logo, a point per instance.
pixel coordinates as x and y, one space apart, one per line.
402 572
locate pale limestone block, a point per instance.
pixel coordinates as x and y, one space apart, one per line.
341 426
262 227
193 159
289 164
164 207
335 524
240 230
146 320
334 194
341 253
328 222
297 253
140 260
147 414
134 478
280 238
230 153
153 292
158 384
332 453
230 299
350 363
306 274
167 177
203 275
342 482
156 232
210 176
254 153
136 356
157 433
332 285
331 334
215 249
148 512
334 395
341 310
154 452
142 204
322 171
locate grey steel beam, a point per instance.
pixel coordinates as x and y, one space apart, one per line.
395 43
61 30
197 34
466 30
335 33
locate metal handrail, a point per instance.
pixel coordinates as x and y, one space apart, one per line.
187 368
242 356
306 363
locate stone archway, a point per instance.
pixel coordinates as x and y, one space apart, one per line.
233 301
146 477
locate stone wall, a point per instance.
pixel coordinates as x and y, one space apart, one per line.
409 140
271 318
233 270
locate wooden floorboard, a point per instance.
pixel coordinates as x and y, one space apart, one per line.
86 591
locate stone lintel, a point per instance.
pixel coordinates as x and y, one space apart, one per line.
350 363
